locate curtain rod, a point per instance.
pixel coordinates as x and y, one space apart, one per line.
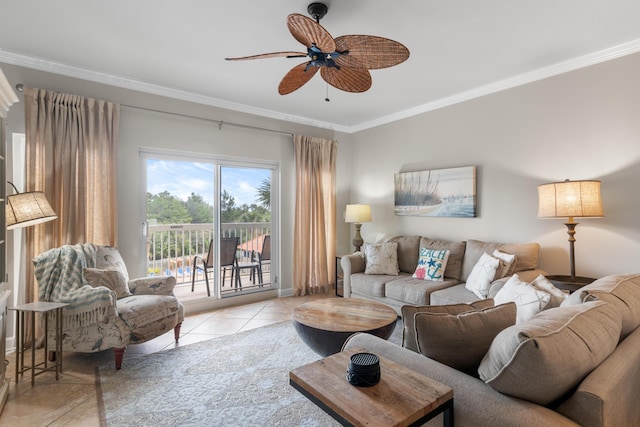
219 122
20 88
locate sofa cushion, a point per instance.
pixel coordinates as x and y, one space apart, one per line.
526 255
381 258
140 310
544 358
431 264
483 273
408 312
621 290
111 278
457 294
372 284
408 248
414 291
529 300
461 340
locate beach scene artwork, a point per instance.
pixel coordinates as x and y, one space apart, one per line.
439 192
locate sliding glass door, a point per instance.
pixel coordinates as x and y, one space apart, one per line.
209 223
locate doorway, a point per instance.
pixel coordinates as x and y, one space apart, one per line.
192 206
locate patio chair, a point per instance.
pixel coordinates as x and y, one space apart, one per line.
263 257
239 266
206 263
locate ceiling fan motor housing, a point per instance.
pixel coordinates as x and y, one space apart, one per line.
317 10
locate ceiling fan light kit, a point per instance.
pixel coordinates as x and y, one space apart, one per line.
344 62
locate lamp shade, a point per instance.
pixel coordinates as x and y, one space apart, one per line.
570 199
358 213
27 209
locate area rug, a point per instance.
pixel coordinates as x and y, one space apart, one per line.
236 380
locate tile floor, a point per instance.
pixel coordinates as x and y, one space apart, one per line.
73 401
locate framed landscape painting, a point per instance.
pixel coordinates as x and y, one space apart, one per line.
439 192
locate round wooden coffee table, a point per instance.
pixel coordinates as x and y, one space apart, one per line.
325 324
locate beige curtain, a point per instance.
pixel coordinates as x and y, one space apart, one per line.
315 215
71 157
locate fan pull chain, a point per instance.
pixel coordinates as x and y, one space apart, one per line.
327 98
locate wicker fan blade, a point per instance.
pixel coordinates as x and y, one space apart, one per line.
369 52
308 32
270 55
347 79
296 78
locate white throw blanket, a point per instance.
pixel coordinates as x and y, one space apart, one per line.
60 279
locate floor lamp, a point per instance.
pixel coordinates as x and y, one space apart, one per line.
357 214
570 199
27 209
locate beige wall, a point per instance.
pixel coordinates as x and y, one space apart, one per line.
580 125
143 129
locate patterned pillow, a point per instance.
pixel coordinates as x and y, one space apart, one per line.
529 300
557 296
381 258
483 273
431 264
111 278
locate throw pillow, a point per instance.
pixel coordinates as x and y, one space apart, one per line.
409 311
529 300
507 264
381 258
483 273
548 356
462 340
431 264
556 295
623 292
111 278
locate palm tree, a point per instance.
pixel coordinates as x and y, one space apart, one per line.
264 193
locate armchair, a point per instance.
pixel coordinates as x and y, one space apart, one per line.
106 309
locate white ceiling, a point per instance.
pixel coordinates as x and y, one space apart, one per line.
459 49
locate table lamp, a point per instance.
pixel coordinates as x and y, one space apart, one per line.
570 199
358 214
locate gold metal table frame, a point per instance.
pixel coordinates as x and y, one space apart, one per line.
45 309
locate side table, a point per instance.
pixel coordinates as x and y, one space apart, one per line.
45 309
566 283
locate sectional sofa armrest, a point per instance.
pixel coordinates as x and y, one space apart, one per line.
476 403
154 285
608 396
350 264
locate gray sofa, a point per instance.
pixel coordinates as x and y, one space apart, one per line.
401 289
603 395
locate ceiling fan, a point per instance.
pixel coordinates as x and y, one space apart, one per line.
344 62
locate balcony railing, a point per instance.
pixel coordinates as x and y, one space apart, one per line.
172 247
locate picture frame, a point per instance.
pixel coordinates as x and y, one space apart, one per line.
447 192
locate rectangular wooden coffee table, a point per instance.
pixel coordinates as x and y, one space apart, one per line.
403 397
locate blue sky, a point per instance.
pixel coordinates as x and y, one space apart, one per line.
183 178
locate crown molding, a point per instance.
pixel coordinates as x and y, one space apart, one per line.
519 80
137 85
150 88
